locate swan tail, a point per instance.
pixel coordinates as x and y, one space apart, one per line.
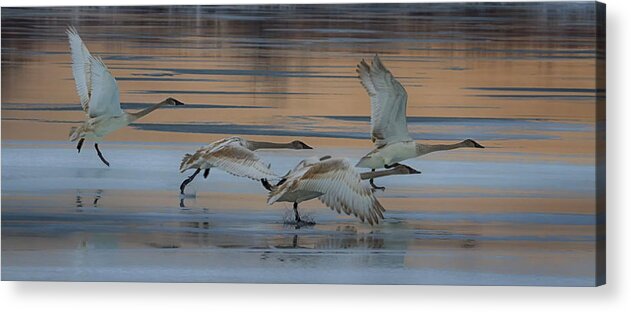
73 135
186 162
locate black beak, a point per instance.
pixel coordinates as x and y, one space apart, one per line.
412 170
305 146
176 102
475 144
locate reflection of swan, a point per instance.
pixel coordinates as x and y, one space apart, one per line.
233 155
336 183
79 200
389 132
357 248
336 241
99 96
469 243
349 238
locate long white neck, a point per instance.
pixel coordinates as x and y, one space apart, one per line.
254 145
422 149
137 115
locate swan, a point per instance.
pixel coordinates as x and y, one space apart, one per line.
336 183
233 155
99 96
389 132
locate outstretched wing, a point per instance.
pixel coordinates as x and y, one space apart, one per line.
105 99
196 160
309 161
239 161
81 71
341 188
388 101
95 85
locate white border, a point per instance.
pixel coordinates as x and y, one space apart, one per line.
615 296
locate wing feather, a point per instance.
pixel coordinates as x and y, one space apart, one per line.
341 188
197 160
80 67
230 156
240 161
96 87
105 99
388 101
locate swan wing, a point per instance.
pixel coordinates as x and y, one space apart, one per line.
197 160
341 188
309 161
81 67
388 101
105 98
239 161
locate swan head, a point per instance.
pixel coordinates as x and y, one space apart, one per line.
300 145
471 143
403 169
174 102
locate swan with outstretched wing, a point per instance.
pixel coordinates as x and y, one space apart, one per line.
336 183
236 156
99 96
389 131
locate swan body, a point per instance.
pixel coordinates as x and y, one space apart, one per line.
231 155
389 154
234 155
389 132
336 183
100 96
94 129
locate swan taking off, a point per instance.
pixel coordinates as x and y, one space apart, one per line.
233 155
99 96
336 183
389 132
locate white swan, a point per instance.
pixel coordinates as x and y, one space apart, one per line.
233 155
336 183
389 132
99 96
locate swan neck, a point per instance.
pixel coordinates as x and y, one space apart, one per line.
254 145
422 149
146 111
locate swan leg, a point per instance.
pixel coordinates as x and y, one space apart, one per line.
372 183
79 145
188 180
266 184
96 198
98 152
206 173
299 222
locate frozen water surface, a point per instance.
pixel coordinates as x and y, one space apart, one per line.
67 217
